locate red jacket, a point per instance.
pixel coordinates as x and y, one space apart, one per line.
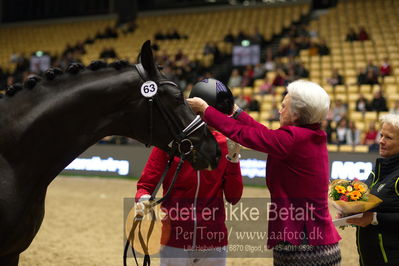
297 176
203 193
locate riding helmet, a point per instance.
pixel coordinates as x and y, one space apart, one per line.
215 93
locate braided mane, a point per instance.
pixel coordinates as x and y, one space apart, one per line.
53 72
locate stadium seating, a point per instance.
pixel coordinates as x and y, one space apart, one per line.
379 17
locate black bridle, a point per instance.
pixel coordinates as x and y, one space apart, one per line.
179 146
179 136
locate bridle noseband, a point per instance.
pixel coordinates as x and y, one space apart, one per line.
180 145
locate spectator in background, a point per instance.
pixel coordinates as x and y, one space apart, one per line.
280 78
385 68
275 112
363 34
254 105
241 37
292 49
164 58
169 73
361 77
89 40
110 32
370 137
108 52
371 77
326 126
266 87
353 134
336 78
313 49
235 79
293 33
3 79
99 35
292 63
339 110
173 34
323 48
282 50
371 66
14 57
259 71
302 31
395 109
23 64
303 42
291 76
378 103
180 80
159 35
241 102
229 37
301 70
269 65
313 33
68 49
179 55
129 27
341 131
280 64
351 35
211 48
155 46
247 76
362 104
257 37
10 80
79 48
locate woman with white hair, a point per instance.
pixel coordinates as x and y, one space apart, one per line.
377 230
297 173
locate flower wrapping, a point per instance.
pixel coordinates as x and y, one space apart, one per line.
350 197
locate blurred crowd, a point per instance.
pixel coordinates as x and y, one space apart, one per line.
275 72
278 68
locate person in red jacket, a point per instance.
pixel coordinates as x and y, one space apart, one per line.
300 228
195 230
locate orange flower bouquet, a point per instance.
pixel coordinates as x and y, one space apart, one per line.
350 197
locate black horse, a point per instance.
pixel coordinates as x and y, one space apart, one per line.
50 121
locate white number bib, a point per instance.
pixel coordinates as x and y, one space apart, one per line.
149 89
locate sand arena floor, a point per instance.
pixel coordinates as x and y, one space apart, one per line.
83 225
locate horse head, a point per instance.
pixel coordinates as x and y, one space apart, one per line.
165 119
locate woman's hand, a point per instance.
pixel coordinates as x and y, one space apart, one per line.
198 105
363 221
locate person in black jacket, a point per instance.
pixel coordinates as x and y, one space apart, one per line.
377 231
378 103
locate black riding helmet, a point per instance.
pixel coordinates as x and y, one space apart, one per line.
215 93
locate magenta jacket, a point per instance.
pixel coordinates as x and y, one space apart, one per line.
297 176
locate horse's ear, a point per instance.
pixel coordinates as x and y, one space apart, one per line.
147 59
